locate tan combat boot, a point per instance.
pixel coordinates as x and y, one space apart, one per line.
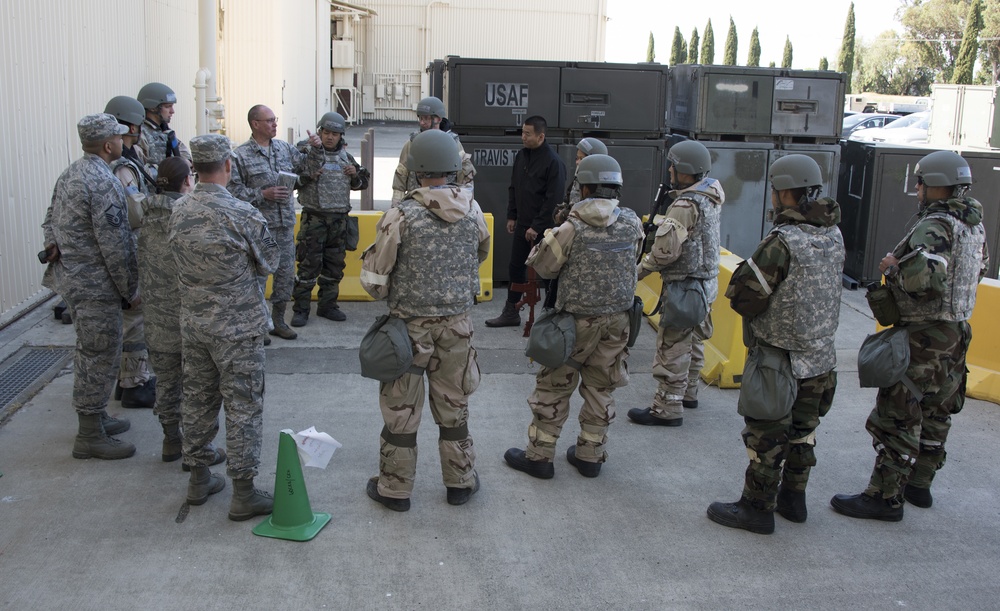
92 442
281 329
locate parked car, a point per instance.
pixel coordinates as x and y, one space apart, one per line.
911 129
860 121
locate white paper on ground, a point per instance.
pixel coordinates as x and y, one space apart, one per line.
315 448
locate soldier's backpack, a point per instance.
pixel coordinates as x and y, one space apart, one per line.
386 353
553 336
883 359
768 388
685 304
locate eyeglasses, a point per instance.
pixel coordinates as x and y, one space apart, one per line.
272 121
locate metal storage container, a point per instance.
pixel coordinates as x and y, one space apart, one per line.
613 98
878 199
642 163
808 104
496 96
827 156
965 115
719 100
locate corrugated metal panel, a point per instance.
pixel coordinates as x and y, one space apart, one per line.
171 47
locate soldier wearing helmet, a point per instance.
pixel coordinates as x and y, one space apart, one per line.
430 115
685 252
326 229
158 141
585 147
425 262
788 294
593 255
932 274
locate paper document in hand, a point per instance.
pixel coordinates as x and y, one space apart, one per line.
315 448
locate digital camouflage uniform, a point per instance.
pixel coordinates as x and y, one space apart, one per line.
788 293
322 243
162 302
221 245
96 271
593 254
686 246
135 370
157 142
405 181
425 261
942 260
255 169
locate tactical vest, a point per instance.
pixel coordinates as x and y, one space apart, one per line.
143 186
804 310
599 276
700 251
437 265
959 296
331 192
157 139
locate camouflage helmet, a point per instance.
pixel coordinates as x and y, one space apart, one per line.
591 146
690 157
433 151
943 169
431 107
126 110
153 94
794 172
332 122
599 169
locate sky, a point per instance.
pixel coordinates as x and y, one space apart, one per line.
815 27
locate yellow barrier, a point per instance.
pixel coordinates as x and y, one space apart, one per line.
350 286
984 358
725 353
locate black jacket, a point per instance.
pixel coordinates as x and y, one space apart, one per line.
536 187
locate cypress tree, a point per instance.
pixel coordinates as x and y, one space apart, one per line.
970 45
651 50
678 50
729 57
824 64
708 45
846 59
754 58
693 47
786 57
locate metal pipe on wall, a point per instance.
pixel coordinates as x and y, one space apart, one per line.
209 112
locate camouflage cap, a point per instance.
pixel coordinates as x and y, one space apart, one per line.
210 148
100 127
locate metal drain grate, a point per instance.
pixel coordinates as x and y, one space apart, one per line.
26 371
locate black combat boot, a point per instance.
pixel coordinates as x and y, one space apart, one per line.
248 501
645 417
920 497
278 318
508 318
92 442
458 496
517 459
142 396
586 469
742 515
390 503
202 484
792 505
331 313
866 507
300 318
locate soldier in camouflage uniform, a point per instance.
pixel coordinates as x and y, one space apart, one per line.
157 141
586 146
92 265
686 246
220 246
933 274
425 261
593 254
329 174
136 385
788 294
430 115
257 163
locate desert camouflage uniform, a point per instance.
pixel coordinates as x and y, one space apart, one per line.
162 303
593 254
96 271
686 246
941 262
322 243
425 260
220 246
789 295
404 181
255 169
135 369
154 142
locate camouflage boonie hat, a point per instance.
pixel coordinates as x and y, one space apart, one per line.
100 127
210 148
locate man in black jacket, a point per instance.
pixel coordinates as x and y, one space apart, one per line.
536 187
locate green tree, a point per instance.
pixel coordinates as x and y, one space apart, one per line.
678 50
888 65
753 59
708 45
989 43
693 47
966 61
824 64
770 65
651 49
846 59
729 57
934 29
786 56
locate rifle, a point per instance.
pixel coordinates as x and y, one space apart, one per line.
529 297
660 202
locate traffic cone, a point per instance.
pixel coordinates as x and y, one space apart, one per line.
292 519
